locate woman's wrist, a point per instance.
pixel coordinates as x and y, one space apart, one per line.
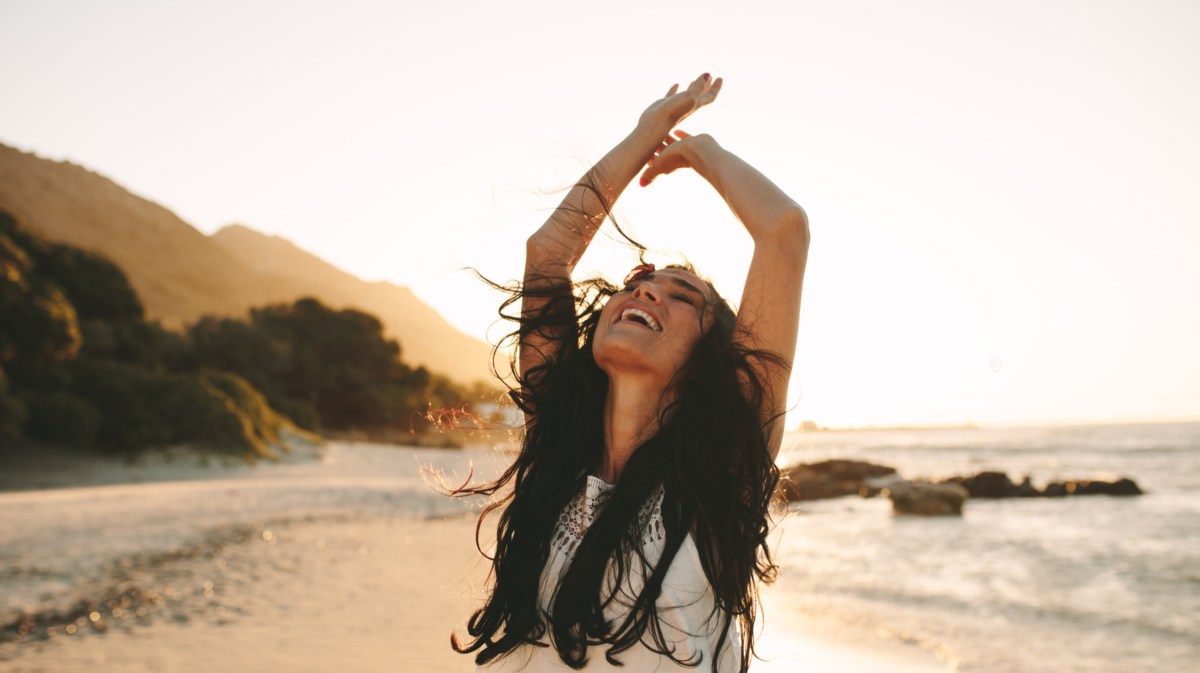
648 135
701 151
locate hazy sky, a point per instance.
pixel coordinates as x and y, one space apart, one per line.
1002 195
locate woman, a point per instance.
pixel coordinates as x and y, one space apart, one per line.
636 524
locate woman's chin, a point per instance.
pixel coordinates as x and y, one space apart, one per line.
631 357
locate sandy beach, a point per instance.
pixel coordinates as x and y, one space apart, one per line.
316 592
377 596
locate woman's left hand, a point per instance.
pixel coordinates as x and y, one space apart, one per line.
675 153
666 112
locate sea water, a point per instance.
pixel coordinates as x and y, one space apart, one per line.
1085 583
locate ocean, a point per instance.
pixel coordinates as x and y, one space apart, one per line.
1084 583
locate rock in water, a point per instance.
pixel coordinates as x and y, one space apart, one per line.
997 485
988 485
831 479
927 499
1123 486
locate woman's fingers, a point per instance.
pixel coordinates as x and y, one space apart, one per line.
677 105
661 148
705 90
667 140
696 89
711 94
667 159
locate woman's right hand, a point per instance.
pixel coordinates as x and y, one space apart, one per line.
665 113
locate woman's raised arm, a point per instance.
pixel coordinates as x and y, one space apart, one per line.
552 252
769 313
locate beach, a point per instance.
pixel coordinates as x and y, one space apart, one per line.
390 607
353 561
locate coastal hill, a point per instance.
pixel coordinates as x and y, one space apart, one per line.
180 274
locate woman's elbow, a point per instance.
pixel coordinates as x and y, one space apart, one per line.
792 229
542 252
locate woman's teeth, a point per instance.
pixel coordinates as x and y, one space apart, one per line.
646 318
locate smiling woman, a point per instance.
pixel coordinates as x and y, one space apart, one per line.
637 518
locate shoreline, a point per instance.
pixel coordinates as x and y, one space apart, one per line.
54 468
42 468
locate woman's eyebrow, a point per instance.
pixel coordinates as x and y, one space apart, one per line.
686 285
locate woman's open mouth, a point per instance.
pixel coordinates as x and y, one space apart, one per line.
640 317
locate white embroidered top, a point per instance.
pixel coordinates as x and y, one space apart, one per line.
685 605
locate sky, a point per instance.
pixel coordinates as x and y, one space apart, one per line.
1001 195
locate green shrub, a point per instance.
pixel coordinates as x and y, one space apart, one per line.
129 399
265 423
212 410
96 287
204 416
61 418
325 368
12 414
146 343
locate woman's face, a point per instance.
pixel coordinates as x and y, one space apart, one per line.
650 328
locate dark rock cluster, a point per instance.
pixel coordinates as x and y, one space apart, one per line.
837 478
998 485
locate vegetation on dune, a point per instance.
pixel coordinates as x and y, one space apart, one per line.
80 365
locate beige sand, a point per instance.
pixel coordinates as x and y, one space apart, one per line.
365 595
356 595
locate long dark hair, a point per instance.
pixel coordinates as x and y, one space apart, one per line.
710 456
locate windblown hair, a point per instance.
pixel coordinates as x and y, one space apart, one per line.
710 456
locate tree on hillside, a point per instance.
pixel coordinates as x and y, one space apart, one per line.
12 413
38 325
97 288
326 368
80 365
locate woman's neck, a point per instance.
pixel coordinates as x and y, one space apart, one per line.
632 411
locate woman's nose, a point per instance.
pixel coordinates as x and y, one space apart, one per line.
646 290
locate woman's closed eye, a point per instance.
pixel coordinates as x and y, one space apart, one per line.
684 297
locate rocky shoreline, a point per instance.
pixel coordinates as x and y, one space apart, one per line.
839 478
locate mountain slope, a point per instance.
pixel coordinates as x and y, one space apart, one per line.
181 274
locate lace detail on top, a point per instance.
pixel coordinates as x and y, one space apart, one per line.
688 619
583 509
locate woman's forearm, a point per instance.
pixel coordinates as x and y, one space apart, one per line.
556 247
761 206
